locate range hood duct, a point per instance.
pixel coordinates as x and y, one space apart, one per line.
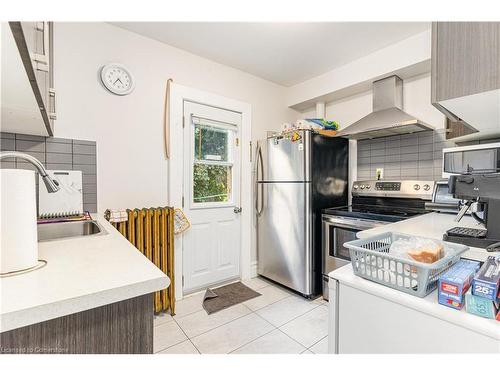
388 117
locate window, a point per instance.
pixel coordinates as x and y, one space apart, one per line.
212 166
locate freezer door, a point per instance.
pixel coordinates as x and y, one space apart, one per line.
287 160
284 242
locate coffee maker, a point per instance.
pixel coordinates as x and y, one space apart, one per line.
481 193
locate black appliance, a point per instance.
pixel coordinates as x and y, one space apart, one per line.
481 193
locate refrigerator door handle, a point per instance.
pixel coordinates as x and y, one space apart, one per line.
259 207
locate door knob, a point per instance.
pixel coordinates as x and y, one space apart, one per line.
237 210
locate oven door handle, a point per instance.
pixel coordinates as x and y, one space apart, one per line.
352 224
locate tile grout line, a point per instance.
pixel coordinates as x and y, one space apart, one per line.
298 316
286 334
232 320
278 327
188 339
309 348
273 330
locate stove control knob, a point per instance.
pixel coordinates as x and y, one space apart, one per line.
368 186
416 187
426 187
362 187
355 187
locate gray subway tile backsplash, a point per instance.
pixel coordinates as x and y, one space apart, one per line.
85 168
84 149
27 137
407 156
61 148
84 159
56 153
34 146
8 144
59 140
56 158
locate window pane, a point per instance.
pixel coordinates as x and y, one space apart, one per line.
210 143
211 183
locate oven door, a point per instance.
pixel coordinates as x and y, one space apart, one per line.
338 230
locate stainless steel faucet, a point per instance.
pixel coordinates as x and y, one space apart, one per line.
51 185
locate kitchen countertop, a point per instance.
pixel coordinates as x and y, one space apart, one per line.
432 225
81 274
427 305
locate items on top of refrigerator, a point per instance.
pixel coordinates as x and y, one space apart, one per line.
455 282
319 125
486 283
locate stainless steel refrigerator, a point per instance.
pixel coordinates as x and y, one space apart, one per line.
296 177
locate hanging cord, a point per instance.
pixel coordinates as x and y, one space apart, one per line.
166 119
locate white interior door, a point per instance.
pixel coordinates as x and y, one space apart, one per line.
211 247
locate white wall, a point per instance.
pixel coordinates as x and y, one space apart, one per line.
132 171
410 56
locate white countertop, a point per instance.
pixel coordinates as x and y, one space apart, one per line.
427 305
81 273
432 225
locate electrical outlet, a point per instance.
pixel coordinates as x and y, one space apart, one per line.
379 172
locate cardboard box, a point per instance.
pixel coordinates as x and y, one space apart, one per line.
455 282
481 306
486 283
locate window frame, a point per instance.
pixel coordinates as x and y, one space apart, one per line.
232 130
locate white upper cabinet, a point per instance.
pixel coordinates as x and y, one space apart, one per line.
27 90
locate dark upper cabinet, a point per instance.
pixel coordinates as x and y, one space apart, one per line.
33 110
466 77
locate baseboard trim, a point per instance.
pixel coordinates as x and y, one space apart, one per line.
253 269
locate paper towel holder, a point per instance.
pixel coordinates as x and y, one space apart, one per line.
52 187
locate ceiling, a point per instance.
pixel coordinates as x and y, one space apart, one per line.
284 53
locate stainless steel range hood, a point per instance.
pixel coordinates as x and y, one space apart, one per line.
388 117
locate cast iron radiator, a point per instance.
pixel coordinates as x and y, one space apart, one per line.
151 231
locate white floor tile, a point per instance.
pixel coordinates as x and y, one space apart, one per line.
308 328
285 310
166 335
270 294
161 318
185 347
320 347
275 342
320 301
200 322
256 283
233 335
189 305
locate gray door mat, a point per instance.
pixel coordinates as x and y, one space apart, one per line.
226 296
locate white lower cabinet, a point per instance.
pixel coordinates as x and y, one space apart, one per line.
363 322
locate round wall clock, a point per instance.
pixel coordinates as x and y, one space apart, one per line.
117 79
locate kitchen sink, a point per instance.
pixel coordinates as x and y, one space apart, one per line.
57 231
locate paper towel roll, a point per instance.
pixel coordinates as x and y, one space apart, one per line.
18 220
